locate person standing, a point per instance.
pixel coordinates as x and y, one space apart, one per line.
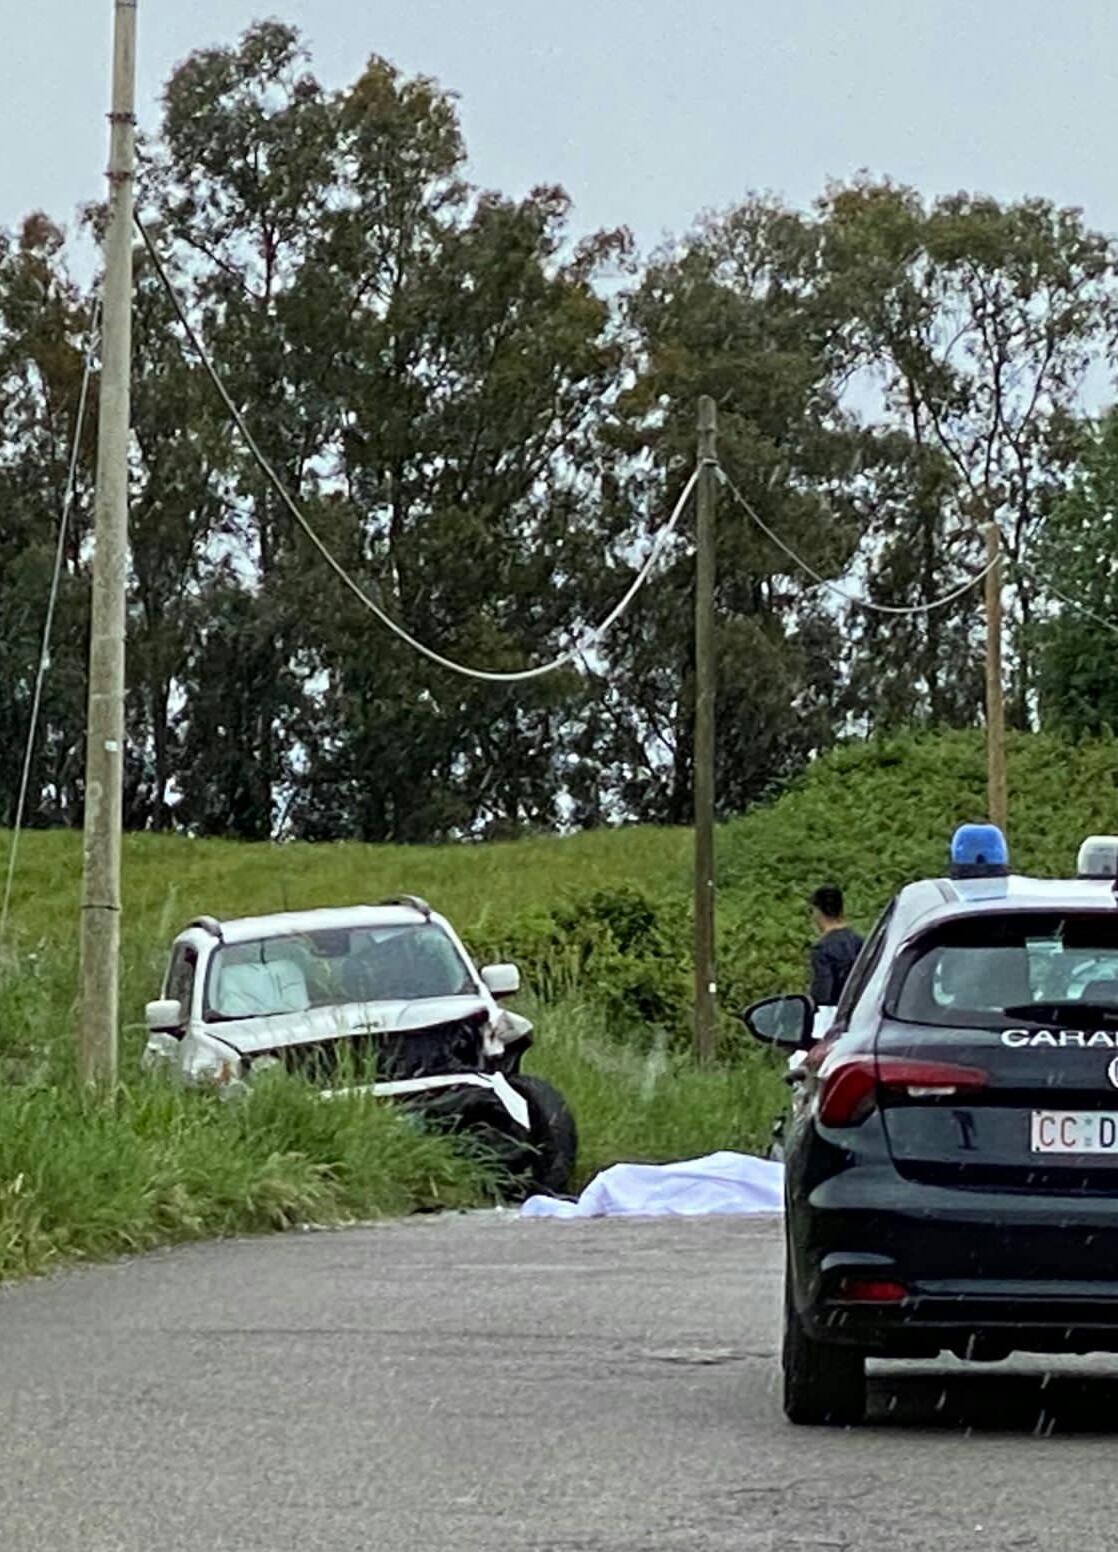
832 959
833 956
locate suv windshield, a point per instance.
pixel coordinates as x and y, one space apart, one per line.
1011 968
327 968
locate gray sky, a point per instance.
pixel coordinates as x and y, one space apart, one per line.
647 111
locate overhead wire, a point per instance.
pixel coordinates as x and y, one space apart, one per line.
586 637
833 587
911 609
52 602
1065 598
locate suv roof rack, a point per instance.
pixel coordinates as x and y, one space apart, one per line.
208 924
413 901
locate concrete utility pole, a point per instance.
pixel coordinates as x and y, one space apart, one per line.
706 1029
995 700
100 931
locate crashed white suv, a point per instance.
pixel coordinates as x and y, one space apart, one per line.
373 998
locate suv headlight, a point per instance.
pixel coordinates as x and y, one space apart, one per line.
212 1066
161 1051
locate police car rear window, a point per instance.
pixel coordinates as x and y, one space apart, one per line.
1011 968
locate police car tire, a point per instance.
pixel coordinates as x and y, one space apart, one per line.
552 1133
824 1383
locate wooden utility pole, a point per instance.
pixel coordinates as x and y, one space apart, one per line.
705 981
995 699
100 929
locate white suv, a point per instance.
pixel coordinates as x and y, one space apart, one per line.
385 993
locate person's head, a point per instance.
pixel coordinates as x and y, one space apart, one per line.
827 906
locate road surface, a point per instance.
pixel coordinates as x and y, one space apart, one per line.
481 1384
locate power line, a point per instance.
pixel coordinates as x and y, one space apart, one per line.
592 634
1065 598
52 600
833 587
937 603
586 638
1074 603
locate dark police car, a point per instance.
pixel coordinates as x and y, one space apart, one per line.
952 1157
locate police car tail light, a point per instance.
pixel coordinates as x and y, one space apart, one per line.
851 1089
864 1290
927 1080
847 1091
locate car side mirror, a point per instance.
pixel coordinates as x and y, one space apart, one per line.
781 1021
501 980
164 1016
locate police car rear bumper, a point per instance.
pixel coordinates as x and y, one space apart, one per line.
936 1267
970 1320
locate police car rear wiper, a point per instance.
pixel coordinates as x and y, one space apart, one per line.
1073 1013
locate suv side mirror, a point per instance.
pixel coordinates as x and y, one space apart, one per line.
501 980
781 1021
164 1016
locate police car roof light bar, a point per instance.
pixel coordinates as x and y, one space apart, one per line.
979 851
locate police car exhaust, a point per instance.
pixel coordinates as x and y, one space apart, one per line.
952 1148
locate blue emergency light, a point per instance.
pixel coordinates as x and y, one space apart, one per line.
979 851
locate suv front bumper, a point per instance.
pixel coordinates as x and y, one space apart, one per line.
495 1083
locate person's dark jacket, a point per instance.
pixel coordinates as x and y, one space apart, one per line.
832 960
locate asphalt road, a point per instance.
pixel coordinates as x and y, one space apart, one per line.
484 1385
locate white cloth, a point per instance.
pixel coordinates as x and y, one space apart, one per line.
718 1183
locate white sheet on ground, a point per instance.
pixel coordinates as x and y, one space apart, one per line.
718 1183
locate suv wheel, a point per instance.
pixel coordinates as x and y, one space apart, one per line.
824 1382
551 1133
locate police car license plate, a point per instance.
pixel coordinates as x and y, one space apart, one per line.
1075 1131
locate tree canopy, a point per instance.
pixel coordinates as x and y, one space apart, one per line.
487 416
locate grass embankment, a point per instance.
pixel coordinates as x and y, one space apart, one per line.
646 1103
84 1180
875 816
81 1180
600 924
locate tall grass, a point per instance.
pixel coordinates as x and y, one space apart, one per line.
649 1105
81 1179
